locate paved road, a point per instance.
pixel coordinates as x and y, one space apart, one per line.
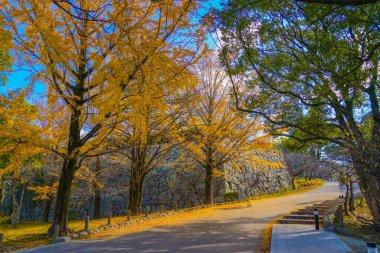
291 238
227 231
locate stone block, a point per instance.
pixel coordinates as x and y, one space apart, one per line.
61 239
82 233
75 235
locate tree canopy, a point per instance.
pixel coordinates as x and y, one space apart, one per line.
316 69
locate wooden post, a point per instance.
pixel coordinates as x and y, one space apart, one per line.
86 221
146 211
175 207
129 215
161 208
56 231
340 216
109 219
85 214
202 203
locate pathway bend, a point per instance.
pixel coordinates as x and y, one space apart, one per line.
226 231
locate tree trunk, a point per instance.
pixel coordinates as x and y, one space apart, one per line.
369 187
135 197
136 183
367 167
352 198
61 208
20 205
209 186
293 183
97 201
47 209
16 207
62 200
1 198
346 200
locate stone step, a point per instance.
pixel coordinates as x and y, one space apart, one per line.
307 212
322 207
301 213
310 211
319 207
293 221
330 201
301 217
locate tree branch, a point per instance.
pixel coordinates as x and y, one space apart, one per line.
340 2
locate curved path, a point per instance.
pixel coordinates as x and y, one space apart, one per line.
227 231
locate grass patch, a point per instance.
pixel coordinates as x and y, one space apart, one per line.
30 234
311 185
267 237
303 182
359 223
27 234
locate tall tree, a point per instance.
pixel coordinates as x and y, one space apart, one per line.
213 131
5 64
90 63
149 132
299 165
318 68
20 157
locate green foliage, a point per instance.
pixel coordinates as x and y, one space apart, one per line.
5 220
72 214
303 182
313 72
360 202
312 65
231 196
5 57
4 160
284 190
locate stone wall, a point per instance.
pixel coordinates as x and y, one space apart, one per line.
263 179
167 186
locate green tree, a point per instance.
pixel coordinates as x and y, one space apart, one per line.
317 68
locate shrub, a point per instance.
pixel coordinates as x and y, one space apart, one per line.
72 214
5 220
302 182
231 195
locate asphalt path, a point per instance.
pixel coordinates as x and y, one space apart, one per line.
226 231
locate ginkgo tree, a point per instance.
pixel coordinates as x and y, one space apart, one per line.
148 133
20 158
213 132
90 64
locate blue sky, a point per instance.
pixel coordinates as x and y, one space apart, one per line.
21 78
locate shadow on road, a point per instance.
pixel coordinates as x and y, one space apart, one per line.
209 236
